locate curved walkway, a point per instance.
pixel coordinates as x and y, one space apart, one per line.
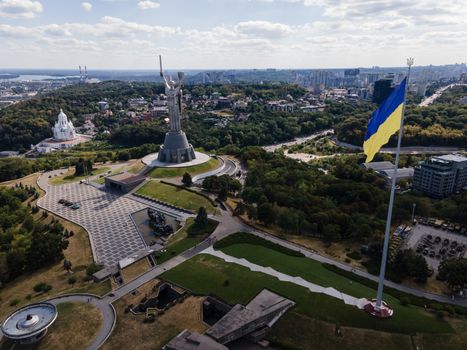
109 316
314 288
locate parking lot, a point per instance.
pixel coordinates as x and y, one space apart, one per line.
436 244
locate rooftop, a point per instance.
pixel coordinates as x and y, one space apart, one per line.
379 166
452 158
266 302
126 178
187 340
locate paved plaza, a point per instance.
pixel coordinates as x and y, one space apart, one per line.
105 216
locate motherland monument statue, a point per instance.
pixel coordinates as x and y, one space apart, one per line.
176 148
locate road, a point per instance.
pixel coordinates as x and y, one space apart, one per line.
438 93
298 140
405 150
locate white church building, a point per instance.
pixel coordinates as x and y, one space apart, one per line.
64 136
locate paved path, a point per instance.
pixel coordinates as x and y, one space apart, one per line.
347 299
107 310
105 216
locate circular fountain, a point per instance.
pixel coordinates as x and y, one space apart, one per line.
30 323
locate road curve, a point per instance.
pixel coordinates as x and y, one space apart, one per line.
107 310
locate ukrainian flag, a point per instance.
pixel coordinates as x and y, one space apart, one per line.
384 122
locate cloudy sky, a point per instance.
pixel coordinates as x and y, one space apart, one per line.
231 33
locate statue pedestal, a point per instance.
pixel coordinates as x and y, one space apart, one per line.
176 148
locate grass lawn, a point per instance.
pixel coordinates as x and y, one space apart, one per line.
206 275
186 238
176 196
75 327
160 173
70 177
295 331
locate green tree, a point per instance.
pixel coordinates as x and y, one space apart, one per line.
202 217
454 272
187 180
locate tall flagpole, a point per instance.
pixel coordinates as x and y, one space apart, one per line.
379 296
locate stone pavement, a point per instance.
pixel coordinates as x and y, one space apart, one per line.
105 216
314 288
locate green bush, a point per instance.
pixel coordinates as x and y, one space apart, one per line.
405 301
354 255
72 280
449 309
439 314
459 310
14 302
243 237
42 287
93 268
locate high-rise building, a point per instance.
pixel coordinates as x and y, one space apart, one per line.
441 176
382 89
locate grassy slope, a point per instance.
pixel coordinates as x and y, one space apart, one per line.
76 326
69 176
206 275
192 170
176 196
182 241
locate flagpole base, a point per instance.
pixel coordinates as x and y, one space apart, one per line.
385 311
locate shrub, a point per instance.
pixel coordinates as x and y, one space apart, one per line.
459 310
226 283
354 255
72 280
93 268
439 314
436 307
42 287
28 297
347 260
14 302
449 309
405 301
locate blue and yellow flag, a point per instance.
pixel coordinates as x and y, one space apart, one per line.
384 122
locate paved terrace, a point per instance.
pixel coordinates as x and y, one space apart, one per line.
105 216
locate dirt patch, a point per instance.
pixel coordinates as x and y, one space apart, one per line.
134 270
131 330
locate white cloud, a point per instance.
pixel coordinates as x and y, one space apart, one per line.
148 5
20 8
87 6
264 29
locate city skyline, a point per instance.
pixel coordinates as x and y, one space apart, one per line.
225 34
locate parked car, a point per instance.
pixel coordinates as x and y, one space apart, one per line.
75 206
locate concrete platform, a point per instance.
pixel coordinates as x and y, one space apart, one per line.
151 160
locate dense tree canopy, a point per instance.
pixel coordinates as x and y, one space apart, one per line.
26 244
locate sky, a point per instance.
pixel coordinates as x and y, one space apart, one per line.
222 34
